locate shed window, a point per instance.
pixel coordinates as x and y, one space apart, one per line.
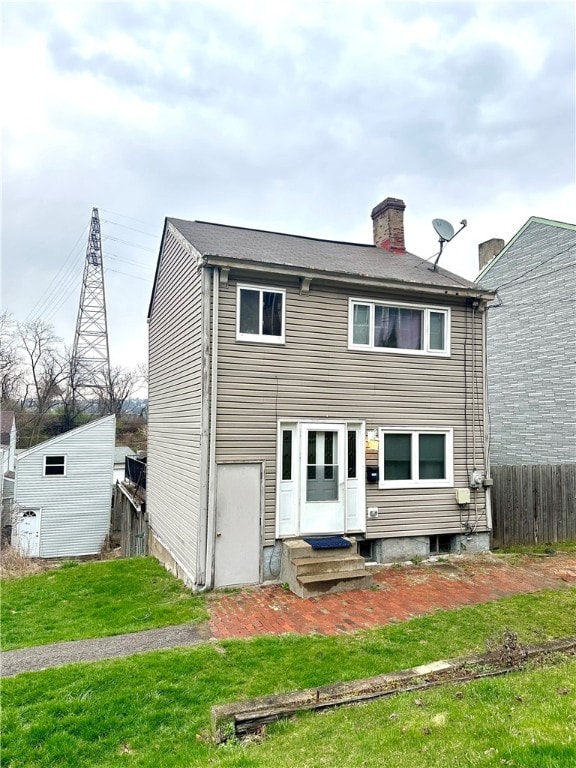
54 465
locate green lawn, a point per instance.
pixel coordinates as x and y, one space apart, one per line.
538 549
81 600
148 711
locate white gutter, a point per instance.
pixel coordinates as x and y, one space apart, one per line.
476 292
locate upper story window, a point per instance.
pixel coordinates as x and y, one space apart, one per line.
54 465
260 314
403 328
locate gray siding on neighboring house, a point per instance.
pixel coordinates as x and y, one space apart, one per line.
314 375
175 399
532 347
75 508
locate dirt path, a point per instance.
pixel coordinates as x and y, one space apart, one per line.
57 654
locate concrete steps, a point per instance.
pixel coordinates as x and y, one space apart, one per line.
312 572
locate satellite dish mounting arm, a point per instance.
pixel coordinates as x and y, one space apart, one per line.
446 232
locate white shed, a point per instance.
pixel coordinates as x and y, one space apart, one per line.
62 496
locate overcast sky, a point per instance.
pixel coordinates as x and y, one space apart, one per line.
295 116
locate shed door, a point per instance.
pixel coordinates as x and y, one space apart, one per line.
238 514
27 532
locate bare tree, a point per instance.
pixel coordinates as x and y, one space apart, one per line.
46 363
71 404
120 385
13 387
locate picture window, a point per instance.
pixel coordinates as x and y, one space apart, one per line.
416 458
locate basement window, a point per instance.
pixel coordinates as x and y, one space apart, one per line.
365 549
440 544
54 465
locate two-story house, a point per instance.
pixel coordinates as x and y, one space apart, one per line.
304 387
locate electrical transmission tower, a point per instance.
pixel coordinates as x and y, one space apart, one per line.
90 354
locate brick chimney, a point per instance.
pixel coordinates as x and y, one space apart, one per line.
388 223
489 249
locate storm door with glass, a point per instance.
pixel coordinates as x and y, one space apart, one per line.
323 481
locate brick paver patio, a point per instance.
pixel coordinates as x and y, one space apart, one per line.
398 593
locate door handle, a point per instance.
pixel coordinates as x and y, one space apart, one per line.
218 533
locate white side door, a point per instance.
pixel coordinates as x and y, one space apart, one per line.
238 521
26 532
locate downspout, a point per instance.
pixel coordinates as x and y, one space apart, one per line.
487 429
211 518
206 283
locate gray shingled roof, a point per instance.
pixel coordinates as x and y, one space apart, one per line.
120 453
275 248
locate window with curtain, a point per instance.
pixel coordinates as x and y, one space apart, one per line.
399 328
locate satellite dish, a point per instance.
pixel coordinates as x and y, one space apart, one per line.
445 232
444 229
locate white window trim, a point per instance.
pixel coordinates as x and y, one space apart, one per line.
294 485
446 482
52 456
260 337
426 308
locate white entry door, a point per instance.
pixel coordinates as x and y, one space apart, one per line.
323 479
26 534
238 514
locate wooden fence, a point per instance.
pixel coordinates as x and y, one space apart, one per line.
533 504
130 521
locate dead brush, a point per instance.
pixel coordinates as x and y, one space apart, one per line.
13 565
507 650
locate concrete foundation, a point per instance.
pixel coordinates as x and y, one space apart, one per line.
470 544
400 549
159 551
409 547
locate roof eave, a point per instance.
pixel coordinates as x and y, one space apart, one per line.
214 260
63 435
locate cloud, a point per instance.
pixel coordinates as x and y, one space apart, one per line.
295 116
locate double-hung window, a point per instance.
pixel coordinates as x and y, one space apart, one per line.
54 465
412 458
260 314
404 328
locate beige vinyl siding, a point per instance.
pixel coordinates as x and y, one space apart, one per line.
314 376
75 507
175 399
